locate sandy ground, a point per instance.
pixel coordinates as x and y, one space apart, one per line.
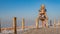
43 31
40 31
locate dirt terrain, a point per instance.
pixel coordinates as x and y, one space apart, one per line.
40 31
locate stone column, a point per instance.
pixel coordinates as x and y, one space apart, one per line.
23 24
14 25
50 22
37 23
47 23
58 22
54 22
43 24
0 25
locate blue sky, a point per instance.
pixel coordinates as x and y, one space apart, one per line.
28 8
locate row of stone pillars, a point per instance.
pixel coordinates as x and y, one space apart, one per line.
15 24
23 24
37 23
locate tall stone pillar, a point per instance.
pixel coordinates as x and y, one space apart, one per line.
50 22
0 25
58 22
47 23
54 22
15 25
23 24
37 23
